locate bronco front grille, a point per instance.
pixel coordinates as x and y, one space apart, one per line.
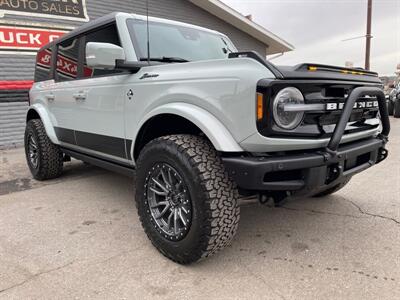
320 123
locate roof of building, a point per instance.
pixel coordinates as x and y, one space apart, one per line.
231 16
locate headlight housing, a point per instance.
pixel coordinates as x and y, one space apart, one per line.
288 119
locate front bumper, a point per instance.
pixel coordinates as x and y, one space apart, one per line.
315 170
304 173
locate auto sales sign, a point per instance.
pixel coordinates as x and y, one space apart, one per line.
26 39
59 9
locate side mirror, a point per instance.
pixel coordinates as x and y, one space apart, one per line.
103 55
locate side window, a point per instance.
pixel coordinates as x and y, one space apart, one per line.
67 60
107 34
43 65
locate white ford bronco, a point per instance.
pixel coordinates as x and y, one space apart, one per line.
198 124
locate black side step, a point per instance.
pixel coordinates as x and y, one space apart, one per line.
111 166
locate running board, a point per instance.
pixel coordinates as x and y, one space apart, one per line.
114 167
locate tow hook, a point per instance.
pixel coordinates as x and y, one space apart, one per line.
382 154
384 138
334 173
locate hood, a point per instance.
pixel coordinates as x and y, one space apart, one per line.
317 71
312 71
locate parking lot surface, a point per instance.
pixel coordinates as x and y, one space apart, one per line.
79 237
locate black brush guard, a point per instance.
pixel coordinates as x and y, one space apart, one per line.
314 171
351 100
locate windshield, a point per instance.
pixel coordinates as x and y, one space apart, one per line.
177 42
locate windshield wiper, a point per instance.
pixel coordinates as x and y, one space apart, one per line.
165 59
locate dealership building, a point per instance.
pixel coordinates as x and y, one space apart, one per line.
26 25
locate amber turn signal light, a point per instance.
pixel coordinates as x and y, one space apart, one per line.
260 106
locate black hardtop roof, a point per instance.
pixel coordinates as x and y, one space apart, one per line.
104 20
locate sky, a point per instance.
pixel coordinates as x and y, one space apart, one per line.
317 28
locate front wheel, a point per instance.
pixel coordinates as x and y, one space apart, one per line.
187 204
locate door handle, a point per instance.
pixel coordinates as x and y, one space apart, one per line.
50 97
79 96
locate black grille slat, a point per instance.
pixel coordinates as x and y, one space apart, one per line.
335 94
333 117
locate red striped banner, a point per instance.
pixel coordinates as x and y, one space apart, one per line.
16 84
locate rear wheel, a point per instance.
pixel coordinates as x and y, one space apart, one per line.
45 160
333 189
396 112
187 204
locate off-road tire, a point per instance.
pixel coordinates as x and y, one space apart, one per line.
333 189
390 108
50 157
396 111
214 197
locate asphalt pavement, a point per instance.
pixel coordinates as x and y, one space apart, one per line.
79 237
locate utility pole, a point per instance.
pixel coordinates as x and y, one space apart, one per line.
368 36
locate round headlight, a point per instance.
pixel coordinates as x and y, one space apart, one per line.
288 119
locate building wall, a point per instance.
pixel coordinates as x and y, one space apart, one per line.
21 66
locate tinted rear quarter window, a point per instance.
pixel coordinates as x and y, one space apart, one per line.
67 60
43 65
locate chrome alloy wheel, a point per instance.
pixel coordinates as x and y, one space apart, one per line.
33 151
168 201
